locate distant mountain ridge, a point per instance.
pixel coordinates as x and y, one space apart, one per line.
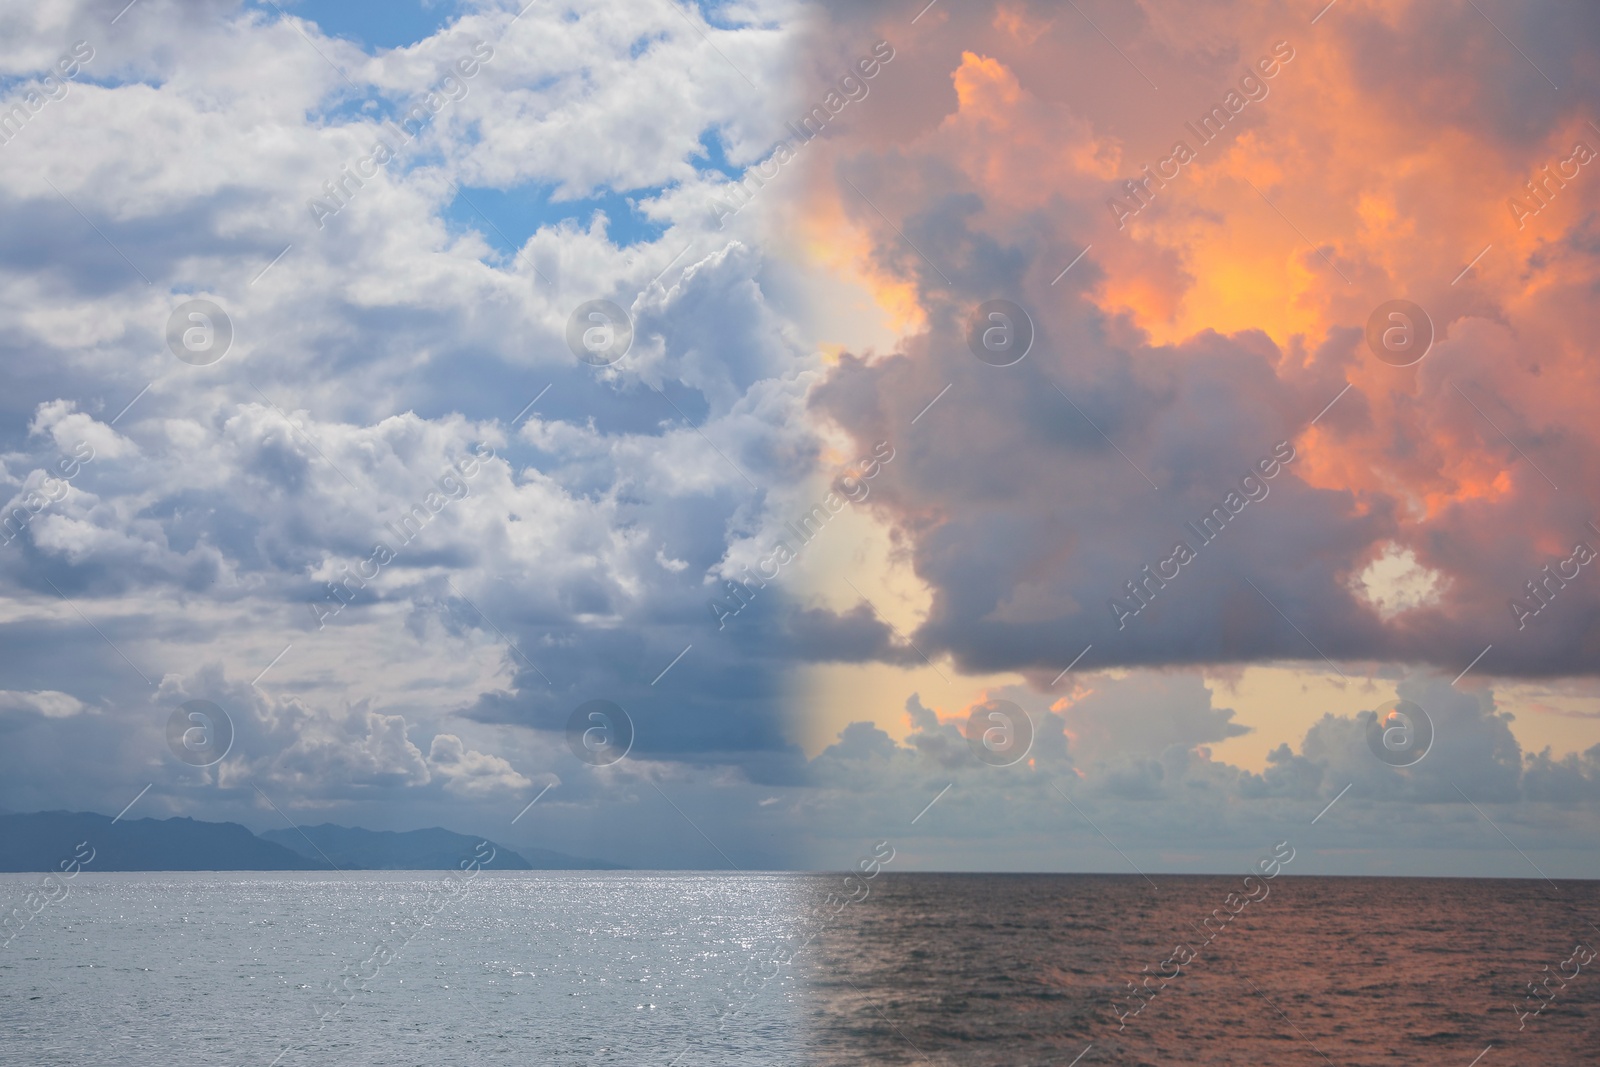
353 848
40 841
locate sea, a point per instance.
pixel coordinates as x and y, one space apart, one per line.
689 969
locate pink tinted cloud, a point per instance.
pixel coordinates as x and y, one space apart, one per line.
1209 331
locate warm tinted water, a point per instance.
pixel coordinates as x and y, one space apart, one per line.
958 969
632 968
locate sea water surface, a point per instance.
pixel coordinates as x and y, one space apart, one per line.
1025 969
526 967
643 968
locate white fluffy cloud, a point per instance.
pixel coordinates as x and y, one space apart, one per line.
235 532
47 703
375 351
471 773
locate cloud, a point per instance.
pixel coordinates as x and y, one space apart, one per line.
1474 752
1572 779
223 542
1194 342
1168 801
361 748
472 773
47 703
231 514
1144 715
389 344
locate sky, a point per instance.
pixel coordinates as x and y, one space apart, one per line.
1044 436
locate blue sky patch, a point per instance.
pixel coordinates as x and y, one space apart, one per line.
709 11
514 215
715 157
374 24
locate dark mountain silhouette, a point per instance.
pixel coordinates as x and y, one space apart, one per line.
42 841
353 848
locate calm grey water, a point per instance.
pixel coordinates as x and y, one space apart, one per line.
530 967
641 968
